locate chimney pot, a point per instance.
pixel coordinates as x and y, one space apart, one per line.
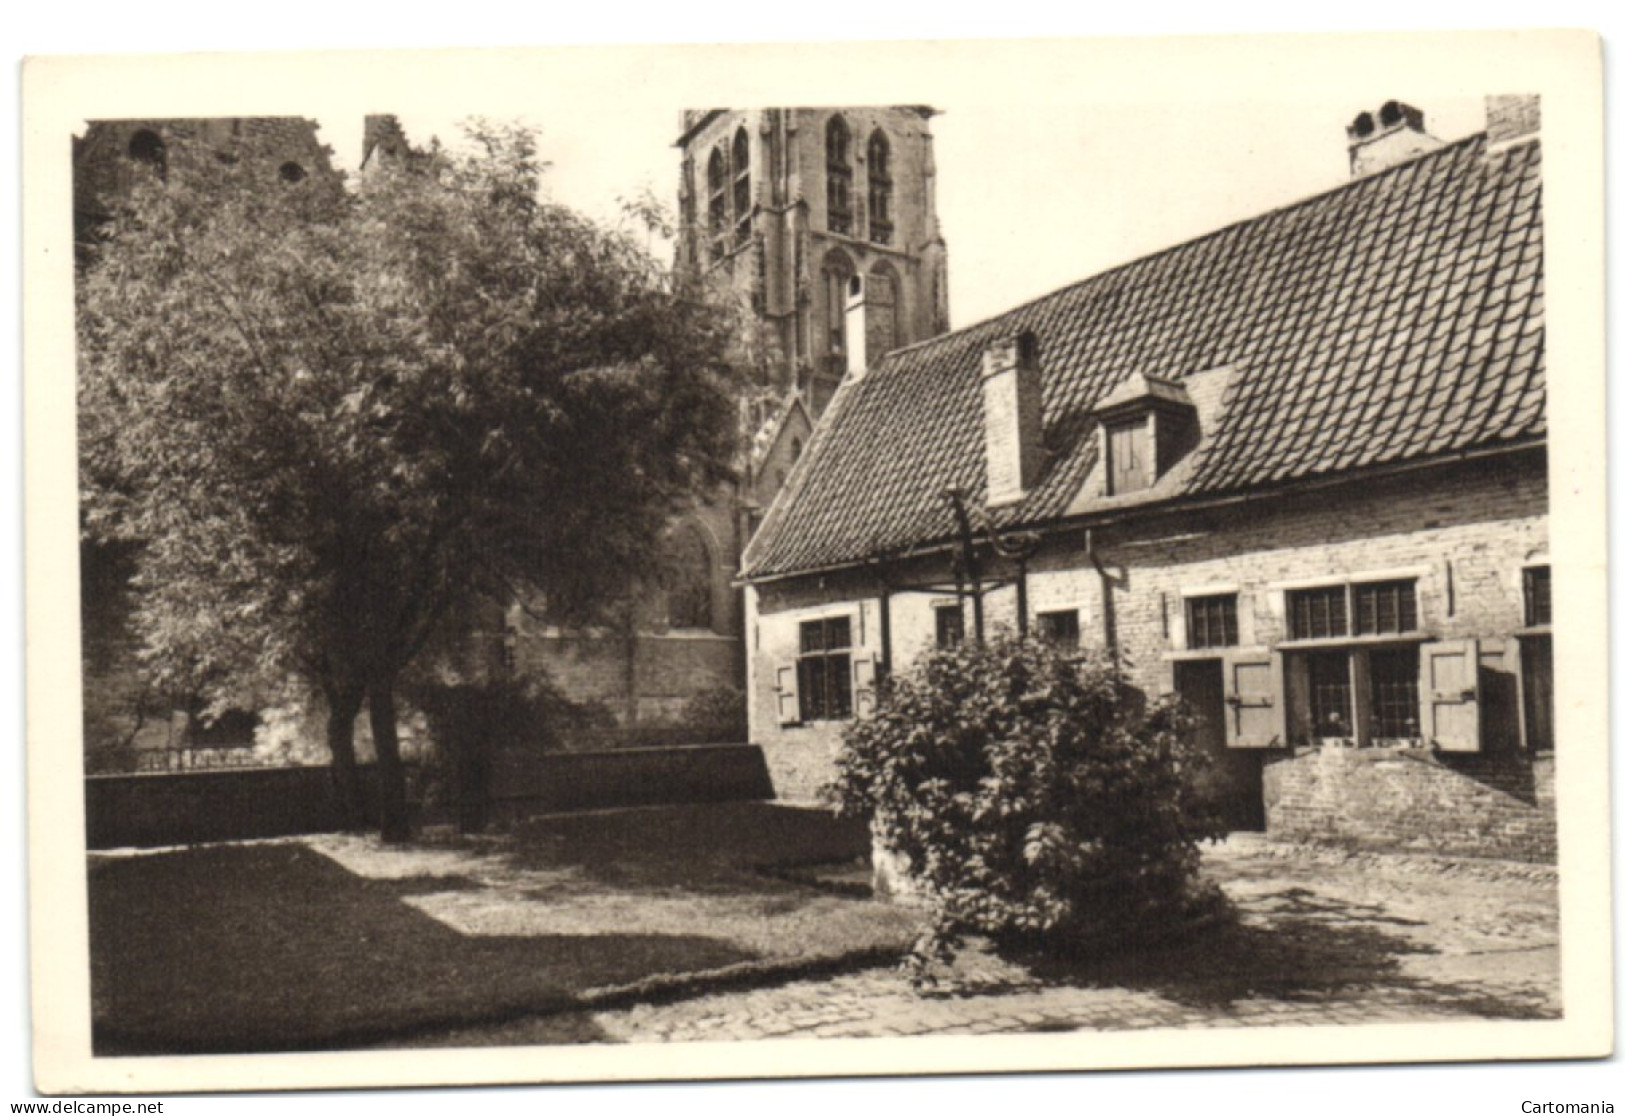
857 329
1395 135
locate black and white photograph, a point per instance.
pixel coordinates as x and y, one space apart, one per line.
1047 556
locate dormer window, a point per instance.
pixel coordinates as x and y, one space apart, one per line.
1128 456
1147 425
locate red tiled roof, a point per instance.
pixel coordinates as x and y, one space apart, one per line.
1392 319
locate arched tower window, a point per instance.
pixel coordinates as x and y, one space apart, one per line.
291 172
688 599
881 312
742 198
838 174
716 184
880 218
147 148
837 273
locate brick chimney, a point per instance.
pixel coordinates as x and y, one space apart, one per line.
857 328
1392 135
1511 118
1013 416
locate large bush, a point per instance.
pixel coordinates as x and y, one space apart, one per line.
1033 798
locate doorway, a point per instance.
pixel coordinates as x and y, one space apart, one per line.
1536 654
1234 779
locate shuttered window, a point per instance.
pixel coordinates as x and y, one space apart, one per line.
824 669
1128 453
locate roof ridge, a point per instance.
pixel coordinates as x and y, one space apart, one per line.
1308 199
1342 305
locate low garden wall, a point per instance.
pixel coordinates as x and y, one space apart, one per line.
191 807
1408 800
522 785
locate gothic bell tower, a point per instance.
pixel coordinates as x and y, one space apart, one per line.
824 221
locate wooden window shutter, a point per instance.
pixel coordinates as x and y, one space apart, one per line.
788 700
1450 694
1253 690
863 685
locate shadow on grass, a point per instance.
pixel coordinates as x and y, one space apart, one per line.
275 947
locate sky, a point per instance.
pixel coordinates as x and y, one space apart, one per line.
1030 199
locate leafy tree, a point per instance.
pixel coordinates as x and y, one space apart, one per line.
1031 798
333 419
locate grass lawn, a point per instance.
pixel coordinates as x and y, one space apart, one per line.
335 941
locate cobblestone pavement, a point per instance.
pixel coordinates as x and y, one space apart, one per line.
1322 938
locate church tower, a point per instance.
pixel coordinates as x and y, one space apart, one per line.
825 220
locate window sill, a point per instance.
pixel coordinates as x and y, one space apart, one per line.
1188 654
693 633
1334 643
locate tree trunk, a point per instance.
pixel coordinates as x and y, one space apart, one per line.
341 713
395 827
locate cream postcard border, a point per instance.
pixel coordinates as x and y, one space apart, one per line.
1048 75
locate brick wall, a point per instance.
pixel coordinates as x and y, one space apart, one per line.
649 681
181 808
1510 116
191 807
1463 531
1412 801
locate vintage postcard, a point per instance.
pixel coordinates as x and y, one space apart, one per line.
978 557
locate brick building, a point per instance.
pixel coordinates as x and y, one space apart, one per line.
1293 470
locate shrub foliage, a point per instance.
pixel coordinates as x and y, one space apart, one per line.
1035 799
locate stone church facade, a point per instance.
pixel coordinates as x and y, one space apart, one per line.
806 213
822 222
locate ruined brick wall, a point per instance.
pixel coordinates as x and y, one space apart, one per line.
1403 800
1463 531
281 150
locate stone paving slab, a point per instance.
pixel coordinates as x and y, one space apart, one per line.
1321 939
